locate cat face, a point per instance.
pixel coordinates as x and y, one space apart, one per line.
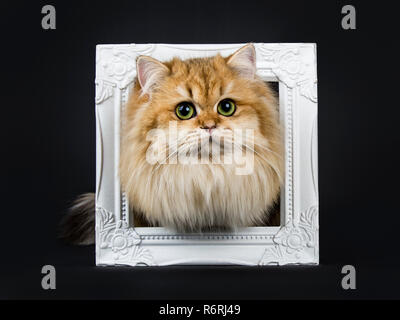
208 100
201 104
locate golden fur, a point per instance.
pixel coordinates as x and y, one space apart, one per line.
197 196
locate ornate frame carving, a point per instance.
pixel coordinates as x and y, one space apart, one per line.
118 242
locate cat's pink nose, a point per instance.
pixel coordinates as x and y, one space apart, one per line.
210 128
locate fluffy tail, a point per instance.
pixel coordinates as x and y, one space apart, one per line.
77 226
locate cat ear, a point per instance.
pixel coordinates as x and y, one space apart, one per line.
244 61
149 71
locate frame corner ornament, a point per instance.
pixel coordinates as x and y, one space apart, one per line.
293 65
293 241
117 63
123 241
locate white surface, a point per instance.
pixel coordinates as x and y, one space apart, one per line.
296 242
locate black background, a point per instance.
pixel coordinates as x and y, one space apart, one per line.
48 144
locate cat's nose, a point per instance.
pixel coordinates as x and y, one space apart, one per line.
209 127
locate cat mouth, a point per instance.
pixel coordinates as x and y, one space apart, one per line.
208 145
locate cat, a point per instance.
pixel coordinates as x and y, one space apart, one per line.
206 100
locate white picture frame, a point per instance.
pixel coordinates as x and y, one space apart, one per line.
119 242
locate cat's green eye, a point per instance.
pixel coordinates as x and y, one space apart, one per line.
226 107
185 111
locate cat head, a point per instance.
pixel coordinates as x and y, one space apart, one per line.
208 100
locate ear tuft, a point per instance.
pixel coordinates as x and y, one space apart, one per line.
149 72
244 61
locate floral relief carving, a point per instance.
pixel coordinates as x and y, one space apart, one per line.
120 66
293 239
121 239
117 64
292 68
289 64
104 90
272 255
308 89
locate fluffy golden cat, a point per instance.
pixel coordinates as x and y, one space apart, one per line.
205 101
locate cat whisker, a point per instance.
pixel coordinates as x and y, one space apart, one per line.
188 144
168 147
245 145
268 149
266 160
246 141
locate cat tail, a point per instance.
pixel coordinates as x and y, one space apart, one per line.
77 226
